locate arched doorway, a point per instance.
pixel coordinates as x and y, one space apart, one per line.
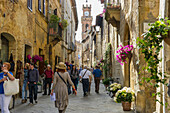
127 65
8 47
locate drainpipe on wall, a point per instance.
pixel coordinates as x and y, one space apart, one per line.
162 15
48 4
35 24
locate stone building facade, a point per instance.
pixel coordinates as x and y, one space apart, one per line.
69 13
78 57
124 21
23 29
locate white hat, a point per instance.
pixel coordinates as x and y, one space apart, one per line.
48 65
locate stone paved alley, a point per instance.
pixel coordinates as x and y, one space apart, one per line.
94 103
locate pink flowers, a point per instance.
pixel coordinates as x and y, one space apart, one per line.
123 53
29 57
104 11
37 58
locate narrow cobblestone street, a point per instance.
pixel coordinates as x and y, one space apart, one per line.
94 103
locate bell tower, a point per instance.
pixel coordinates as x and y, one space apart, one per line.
86 20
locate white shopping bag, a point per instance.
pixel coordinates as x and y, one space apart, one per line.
51 86
52 97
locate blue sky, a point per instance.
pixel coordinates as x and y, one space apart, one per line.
97 8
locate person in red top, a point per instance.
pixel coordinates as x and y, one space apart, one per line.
49 75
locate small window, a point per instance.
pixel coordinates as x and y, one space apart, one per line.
29 4
44 7
55 11
87 26
39 5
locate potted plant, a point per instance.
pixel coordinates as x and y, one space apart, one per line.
106 82
123 53
39 85
64 23
125 96
113 88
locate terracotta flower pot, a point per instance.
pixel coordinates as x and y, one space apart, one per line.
126 106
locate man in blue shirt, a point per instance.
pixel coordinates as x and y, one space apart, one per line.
97 77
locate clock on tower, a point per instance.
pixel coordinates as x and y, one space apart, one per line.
86 13
86 20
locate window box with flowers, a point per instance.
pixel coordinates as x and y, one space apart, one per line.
125 96
123 53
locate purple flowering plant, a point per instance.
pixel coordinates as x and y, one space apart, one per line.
123 52
36 58
29 57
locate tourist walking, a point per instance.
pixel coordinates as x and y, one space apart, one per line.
33 76
24 83
74 76
85 76
97 77
60 87
49 76
4 99
90 80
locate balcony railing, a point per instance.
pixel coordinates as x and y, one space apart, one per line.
113 4
55 29
113 12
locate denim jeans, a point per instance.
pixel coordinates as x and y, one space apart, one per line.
75 82
32 88
85 83
4 103
47 81
24 90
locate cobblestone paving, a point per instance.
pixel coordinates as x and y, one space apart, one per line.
94 103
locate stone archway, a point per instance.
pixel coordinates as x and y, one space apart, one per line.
8 46
127 65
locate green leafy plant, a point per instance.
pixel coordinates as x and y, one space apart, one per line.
54 19
64 23
107 60
150 46
106 81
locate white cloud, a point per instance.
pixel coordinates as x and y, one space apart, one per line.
97 9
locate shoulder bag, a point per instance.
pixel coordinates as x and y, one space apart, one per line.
62 78
11 87
83 76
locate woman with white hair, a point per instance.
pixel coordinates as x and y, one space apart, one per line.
49 75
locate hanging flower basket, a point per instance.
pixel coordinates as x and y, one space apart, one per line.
123 53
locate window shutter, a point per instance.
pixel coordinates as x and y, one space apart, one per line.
39 5
30 4
44 7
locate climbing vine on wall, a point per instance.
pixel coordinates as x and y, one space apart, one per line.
150 46
107 60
